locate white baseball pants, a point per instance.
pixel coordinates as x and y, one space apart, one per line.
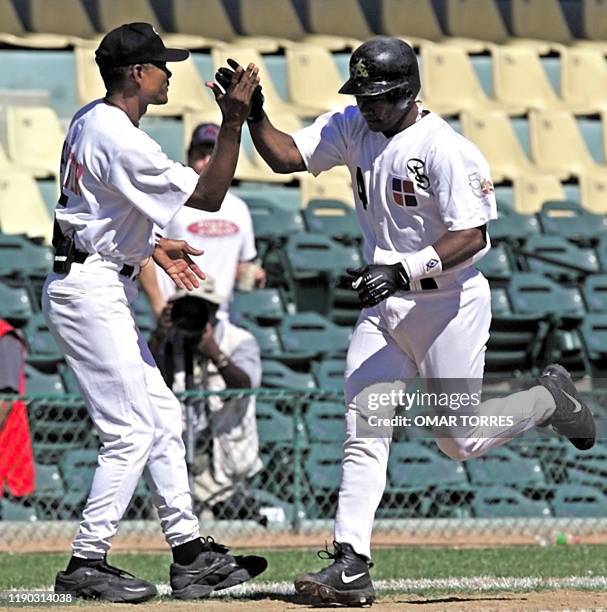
137 417
434 334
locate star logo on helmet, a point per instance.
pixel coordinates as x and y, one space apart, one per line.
359 69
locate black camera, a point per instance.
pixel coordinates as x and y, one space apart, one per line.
190 315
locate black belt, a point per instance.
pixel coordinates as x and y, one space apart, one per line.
126 270
427 284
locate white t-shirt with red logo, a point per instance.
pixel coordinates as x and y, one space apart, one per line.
226 237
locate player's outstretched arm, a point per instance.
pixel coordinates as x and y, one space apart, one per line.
173 256
276 147
235 105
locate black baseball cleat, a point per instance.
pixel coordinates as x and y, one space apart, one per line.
346 581
105 582
212 570
572 417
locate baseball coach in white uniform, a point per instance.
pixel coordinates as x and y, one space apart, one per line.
116 183
424 200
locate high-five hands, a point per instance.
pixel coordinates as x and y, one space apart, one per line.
224 77
235 103
173 256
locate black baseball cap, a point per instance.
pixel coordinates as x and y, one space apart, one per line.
135 43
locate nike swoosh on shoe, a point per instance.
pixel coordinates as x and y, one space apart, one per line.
576 404
347 579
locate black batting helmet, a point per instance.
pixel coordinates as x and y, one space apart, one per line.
380 65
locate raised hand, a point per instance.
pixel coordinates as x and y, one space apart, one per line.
224 77
235 103
173 256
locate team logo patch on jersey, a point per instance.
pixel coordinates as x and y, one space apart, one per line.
403 192
417 168
213 228
481 187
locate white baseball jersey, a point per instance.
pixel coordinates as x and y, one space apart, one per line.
118 183
226 237
409 189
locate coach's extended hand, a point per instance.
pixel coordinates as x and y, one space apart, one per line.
173 256
376 282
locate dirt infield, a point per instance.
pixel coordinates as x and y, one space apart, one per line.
538 601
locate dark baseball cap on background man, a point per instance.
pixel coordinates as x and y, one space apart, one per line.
204 134
136 43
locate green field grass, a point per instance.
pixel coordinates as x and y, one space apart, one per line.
38 570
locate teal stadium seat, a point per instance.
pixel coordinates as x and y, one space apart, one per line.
562 255
263 306
532 293
594 291
273 220
267 339
505 502
278 375
20 256
578 501
570 221
310 334
38 382
594 335
333 218
329 373
323 466
496 264
326 422
513 228
506 467
273 426
15 304
42 349
13 511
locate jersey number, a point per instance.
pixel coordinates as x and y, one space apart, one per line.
360 187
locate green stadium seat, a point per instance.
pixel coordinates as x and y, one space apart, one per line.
272 220
329 373
326 422
532 293
13 511
593 330
594 291
20 256
267 339
563 254
323 466
310 334
601 250
278 375
496 264
15 304
41 346
500 305
37 382
263 306
513 228
50 490
506 467
505 502
273 426
578 501
332 218
413 465
568 220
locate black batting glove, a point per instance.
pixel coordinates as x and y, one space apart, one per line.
224 77
376 282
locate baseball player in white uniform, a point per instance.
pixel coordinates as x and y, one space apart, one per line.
424 200
116 184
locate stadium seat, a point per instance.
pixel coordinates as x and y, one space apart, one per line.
569 261
506 467
34 139
579 501
329 374
62 17
505 502
594 191
313 79
312 336
314 265
568 220
331 185
38 383
42 349
15 305
266 337
278 375
264 306
413 465
273 426
326 422
594 290
13 32
584 79
594 335
531 191
500 305
22 209
14 511
594 25
451 86
492 132
21 257
476 19
77 468
540 20
337 23
496 264
273 220
323 466
333 218
557 144
50 490
532 293
520 80
513 228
